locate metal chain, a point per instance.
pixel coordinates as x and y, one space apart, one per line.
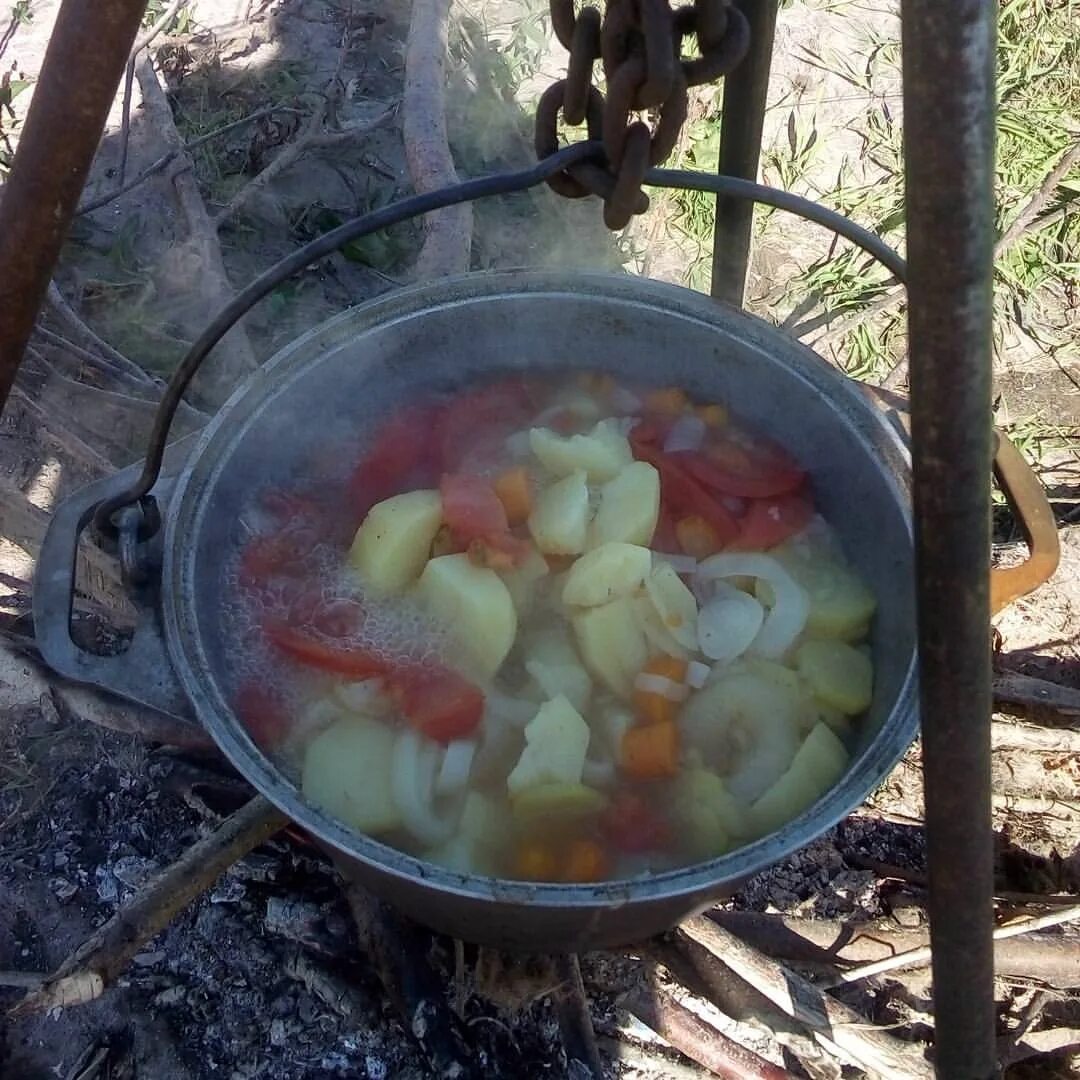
640 46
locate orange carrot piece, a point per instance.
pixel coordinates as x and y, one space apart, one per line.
715 416
512 488
535 861
585 861
653 708
697 537
651 752
670 401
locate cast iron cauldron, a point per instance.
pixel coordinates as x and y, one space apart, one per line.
350 371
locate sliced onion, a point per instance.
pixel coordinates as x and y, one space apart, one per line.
687 433
786 620
622 401
697 673
456 766
625 424
681 564
729 623
412 782
648 683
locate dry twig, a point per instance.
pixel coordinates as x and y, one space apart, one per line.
1012 688
575 1023
448 233
658 1009
85 974
839 1029
234 357
1028 218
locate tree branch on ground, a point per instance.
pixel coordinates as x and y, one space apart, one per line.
447 233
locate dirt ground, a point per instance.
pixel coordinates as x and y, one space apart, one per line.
261 978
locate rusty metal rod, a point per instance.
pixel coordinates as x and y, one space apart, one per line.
83 64
948 66
745 92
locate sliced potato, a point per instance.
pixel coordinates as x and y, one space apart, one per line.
612 570
601 454
523 581
556 741
710 819
817 766
559 522
549 806
841 605
838 675
476 607
675 604
612 644
347 772
392 545
774 672
629 507
656 633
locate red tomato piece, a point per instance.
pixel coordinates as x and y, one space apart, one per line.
664 539
277 553
769 522
437 701
262 714
632 826
477 415
288 506
400 447
750 472
471 508
351 661
499 551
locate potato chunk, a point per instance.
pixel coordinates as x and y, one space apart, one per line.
347 772
393 543
629 507
523 581
476 607
556 740
605 573
612 644
560 519
838 675
817 766
602 454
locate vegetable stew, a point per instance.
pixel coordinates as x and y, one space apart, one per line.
557 630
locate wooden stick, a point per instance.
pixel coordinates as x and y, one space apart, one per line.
1015 803
921 956
1012 688
1005 735
572 1008
839 1029
1050 958
95 964
647 1060
448 233
1027 218
1040 1043
658 1009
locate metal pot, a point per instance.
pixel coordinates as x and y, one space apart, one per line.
359 365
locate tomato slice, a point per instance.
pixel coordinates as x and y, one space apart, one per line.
400 447
471 508
759 471
632 826
769 522
681 494
262 714
437 701
351 661
280 553
477 416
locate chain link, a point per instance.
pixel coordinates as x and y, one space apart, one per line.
640 46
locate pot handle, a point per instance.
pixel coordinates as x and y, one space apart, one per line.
1028 502
142 673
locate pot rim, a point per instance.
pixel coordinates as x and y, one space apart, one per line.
186 648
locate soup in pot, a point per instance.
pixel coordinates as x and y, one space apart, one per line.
559 630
